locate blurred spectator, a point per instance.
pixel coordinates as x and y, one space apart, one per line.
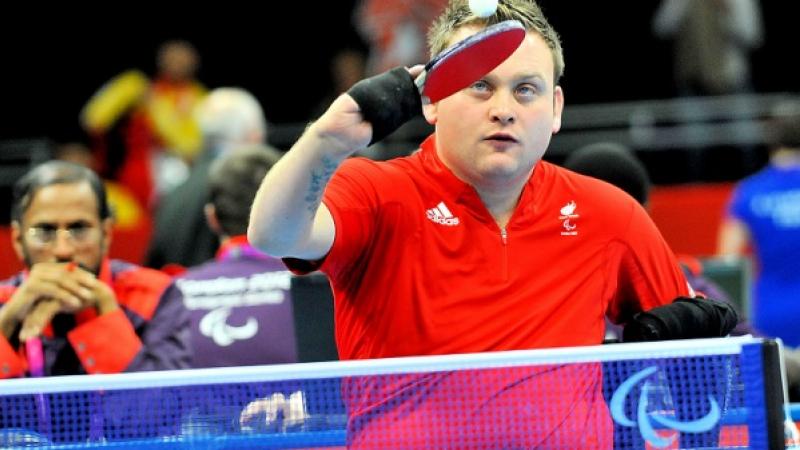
348 67
239 303
90 314
764 213
712 43
229 118
132 221
127 211
160 137
395 31
613 163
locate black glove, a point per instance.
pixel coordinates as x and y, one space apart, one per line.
387 101
684 318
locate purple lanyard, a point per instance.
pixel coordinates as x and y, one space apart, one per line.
35 355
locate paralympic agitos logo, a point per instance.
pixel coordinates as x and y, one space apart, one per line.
645 418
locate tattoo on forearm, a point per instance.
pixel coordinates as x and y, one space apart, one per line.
319 178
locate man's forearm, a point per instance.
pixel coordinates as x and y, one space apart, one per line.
285 208
287 218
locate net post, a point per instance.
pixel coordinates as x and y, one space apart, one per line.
763 392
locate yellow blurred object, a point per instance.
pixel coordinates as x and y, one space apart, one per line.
168 107
113 100
171 112
128 213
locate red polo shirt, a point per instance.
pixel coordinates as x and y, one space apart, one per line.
420 267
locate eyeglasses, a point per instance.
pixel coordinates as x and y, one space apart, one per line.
47 235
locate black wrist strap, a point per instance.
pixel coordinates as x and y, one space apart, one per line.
387 101
684 318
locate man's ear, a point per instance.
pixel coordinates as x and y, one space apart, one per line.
16 240
430 111
211 218
108 228
558 108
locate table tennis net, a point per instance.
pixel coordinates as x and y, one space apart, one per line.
682 394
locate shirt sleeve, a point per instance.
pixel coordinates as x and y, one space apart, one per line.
111 344
166 337
11 364
646 274
737 207
106 343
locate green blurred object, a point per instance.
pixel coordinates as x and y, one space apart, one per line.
734 275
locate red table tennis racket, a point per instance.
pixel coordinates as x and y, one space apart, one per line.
468 60
390 99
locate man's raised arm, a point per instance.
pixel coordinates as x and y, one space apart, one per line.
288 218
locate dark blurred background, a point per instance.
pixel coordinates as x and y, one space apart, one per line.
618 85
53 61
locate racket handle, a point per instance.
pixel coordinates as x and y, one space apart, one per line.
420 81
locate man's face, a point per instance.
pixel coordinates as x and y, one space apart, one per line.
493 132
62 224
178 62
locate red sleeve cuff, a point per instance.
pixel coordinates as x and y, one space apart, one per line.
11 364
105 344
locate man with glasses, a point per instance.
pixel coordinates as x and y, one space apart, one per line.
86 313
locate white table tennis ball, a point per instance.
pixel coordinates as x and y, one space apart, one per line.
483 8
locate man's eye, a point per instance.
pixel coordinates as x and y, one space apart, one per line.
480 86
46 231
526 90
79 230
43 233
79 227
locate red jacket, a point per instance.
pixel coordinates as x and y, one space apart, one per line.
150 330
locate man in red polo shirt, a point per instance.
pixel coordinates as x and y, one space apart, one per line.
471 244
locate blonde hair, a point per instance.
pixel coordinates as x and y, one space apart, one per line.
457 15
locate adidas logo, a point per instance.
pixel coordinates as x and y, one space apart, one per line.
441 215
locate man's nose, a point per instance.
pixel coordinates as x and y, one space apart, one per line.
63 247
502 108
